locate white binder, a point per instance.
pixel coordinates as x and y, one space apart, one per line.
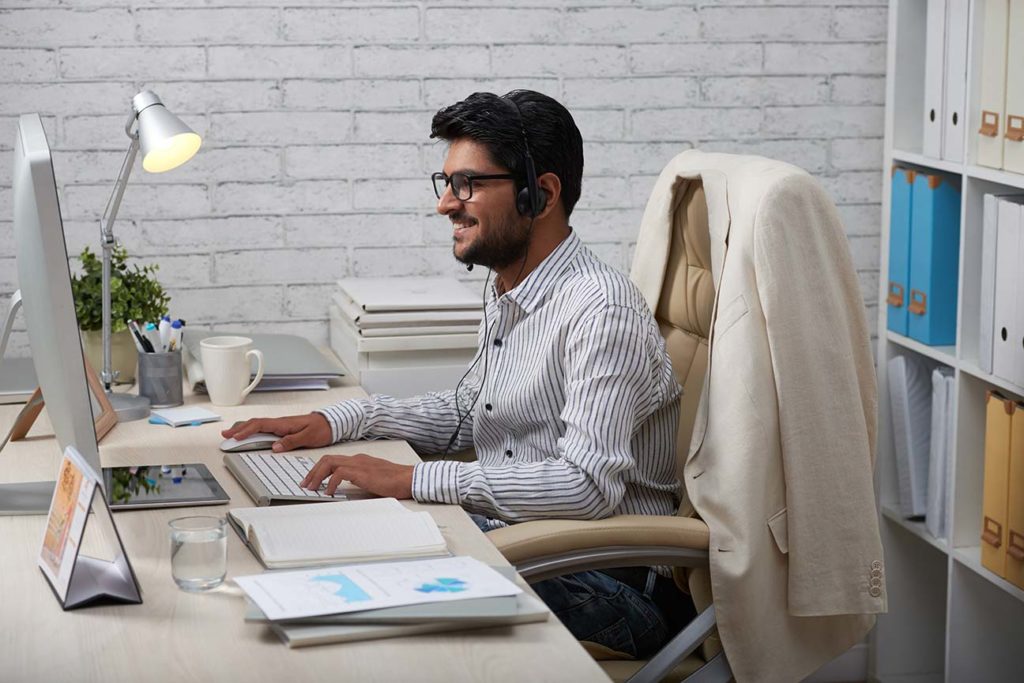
934 72
910 397
1013 128
939 451
955 86
1005 334
992 101
990 219
1018 326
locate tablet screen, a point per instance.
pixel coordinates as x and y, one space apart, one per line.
150 486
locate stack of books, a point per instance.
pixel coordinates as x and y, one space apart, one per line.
405 336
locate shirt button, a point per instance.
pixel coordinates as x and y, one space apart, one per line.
497 342
488 407
508 454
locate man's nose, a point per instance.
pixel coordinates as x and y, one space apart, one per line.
448 201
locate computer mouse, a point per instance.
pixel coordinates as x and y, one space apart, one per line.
255 442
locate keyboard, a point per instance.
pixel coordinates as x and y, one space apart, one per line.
281 474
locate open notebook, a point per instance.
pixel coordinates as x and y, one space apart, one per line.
316 534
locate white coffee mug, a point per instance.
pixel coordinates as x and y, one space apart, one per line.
226 368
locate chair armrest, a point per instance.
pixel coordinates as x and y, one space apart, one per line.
551 547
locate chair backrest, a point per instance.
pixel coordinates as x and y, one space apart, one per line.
686 303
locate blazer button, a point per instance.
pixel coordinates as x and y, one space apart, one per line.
876 565
875 591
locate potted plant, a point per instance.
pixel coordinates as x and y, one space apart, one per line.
135 294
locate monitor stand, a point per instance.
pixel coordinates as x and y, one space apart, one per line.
23 498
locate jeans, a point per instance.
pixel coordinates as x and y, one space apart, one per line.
598 608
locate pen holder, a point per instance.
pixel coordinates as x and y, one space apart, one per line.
160 378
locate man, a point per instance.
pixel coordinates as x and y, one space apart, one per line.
571 402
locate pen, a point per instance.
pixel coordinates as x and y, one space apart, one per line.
140 338
153 335
135 337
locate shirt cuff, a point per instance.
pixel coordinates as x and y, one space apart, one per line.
344 419
436 482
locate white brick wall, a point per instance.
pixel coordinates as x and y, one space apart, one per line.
315 115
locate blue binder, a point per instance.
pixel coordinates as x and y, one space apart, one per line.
934 259
899 250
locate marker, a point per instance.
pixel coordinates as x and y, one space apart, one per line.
165 331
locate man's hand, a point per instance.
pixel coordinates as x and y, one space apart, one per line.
299 431
378 476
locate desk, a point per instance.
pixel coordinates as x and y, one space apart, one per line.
178 636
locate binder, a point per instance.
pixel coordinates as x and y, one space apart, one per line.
934 73
939 451
934 257
1015 503
955 85
998 414
1005 332
1018 326
899 249
992 100
910 394
1013 128
989 223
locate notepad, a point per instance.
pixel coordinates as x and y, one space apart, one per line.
317 534
185 415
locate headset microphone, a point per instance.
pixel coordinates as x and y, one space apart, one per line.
469 267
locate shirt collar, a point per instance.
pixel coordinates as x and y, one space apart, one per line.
532 290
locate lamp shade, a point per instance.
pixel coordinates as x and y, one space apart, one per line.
165 141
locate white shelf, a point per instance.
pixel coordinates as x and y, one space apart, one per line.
974 371
953 167
994 175
943 354
970 557
915 528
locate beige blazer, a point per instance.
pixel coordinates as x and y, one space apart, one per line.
781 459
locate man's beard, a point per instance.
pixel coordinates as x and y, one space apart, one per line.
504 243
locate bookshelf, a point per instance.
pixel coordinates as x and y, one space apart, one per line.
949 618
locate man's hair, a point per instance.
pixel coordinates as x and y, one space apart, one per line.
555 142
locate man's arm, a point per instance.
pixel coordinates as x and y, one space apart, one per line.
615 379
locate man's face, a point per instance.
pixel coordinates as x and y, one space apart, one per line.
488 231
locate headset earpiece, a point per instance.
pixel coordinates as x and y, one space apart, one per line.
531 199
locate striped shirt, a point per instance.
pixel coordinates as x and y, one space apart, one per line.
577 411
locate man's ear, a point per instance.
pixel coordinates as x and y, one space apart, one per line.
552 186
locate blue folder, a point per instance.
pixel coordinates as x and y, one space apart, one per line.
899 249
934 259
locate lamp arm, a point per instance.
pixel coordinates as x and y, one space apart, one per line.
108 242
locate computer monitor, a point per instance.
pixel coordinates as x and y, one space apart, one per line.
49 309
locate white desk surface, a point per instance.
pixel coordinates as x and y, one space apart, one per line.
179 636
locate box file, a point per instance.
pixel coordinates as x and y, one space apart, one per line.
986 313
1013 128
934 257
934 73
899 249
1006 336
940 451
998 414
1015 505
910 399
955 83
992 102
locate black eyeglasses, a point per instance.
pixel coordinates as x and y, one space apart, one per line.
462 183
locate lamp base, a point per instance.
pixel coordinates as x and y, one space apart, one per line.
26 498
129 407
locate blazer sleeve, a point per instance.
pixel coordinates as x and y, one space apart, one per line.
825 386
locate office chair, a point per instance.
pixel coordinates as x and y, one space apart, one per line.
544 549
778 449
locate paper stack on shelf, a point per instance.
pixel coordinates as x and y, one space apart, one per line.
940 475
405 336
910 396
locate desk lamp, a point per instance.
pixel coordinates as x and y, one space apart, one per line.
166 143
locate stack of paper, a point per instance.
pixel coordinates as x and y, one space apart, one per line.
360 602
940 465
405 336
910 397
406 620
331 533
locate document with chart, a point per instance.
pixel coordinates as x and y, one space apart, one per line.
353 588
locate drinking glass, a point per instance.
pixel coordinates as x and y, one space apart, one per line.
199 552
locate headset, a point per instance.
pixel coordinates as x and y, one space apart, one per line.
530 202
